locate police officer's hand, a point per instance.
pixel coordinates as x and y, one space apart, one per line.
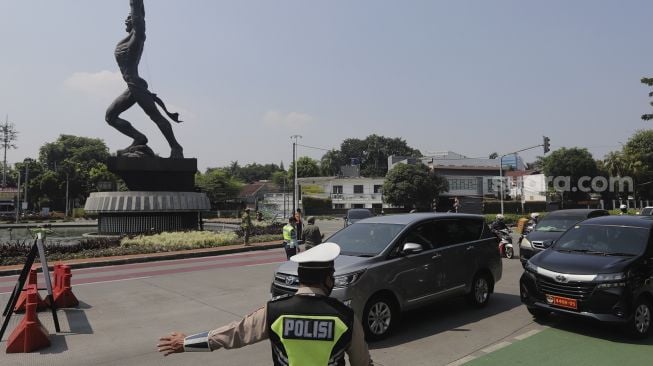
174 343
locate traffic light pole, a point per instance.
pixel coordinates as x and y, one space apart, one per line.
545 145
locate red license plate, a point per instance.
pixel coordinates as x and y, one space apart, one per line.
563 302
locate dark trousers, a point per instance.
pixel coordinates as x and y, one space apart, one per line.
289 251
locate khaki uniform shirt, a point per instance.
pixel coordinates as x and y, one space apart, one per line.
253 328
311 234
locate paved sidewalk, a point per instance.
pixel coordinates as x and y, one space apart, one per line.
140 258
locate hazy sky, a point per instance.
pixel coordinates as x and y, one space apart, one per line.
469 76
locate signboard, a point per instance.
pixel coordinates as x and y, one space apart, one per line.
24 206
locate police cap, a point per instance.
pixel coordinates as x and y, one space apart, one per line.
319 257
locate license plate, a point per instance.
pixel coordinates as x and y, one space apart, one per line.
563 302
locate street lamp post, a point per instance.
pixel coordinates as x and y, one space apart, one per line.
295 193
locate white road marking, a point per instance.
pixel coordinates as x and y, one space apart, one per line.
495 347
532 332
462 361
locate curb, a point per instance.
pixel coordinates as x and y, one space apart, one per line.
151 257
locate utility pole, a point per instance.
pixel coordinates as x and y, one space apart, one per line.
7 137
545 144
295 193
26 161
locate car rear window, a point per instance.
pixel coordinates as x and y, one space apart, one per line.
605 240
558 224
366 239
359 214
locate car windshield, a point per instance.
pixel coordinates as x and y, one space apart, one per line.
605 240
359 214
647 211
365 239
557 223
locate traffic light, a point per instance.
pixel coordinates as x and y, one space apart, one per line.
547 144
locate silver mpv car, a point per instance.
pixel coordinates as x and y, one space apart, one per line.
389 264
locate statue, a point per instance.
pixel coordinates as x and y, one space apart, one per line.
128 55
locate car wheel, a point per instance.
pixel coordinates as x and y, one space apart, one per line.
640 324
509 253
480 293
538 314
379 317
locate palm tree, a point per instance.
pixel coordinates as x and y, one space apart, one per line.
614 163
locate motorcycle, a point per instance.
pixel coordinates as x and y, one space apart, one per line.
505 243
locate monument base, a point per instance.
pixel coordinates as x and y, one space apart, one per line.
136 212
154 173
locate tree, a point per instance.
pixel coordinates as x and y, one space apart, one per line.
648 82
219 185
69 162
494 155
306 167
8 135
413 186
255 172
573 163
371 154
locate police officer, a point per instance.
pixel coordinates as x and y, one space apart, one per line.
307 329
290 237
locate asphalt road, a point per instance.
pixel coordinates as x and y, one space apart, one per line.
124 309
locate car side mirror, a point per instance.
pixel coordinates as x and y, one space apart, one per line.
411 248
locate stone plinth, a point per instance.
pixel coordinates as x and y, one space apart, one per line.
135 212
155 174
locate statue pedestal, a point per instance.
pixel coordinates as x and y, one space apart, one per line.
155 174
161 197
135 212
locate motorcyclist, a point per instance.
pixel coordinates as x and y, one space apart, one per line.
623 209
532 221
499 224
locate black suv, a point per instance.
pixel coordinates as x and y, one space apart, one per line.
601 268
356 214
551 227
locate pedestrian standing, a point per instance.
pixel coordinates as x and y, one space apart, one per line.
311 234
246 225
290 237
298 217
308 328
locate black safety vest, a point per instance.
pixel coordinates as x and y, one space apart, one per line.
309 330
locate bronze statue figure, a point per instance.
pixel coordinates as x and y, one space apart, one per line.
128 55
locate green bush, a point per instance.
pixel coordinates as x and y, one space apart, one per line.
181 240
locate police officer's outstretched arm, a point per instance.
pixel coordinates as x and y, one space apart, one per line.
251 329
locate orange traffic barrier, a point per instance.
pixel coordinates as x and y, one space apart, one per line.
63 295
22 299
29 335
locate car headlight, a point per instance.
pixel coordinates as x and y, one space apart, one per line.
531 267
609 277
347 279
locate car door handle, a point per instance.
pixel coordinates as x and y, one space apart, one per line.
470 247
436 256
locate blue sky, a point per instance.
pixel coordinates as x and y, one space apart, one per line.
469 76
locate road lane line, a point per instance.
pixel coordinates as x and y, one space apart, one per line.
164 272
168 262
495 347
462 361
532 332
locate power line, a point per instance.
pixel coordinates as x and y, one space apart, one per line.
316 148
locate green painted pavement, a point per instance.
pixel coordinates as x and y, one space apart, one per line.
558 347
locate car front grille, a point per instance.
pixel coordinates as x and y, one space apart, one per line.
286 282
573 290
